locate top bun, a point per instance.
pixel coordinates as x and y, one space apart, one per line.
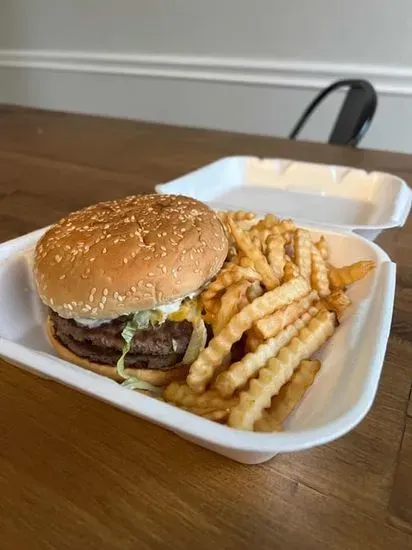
125 255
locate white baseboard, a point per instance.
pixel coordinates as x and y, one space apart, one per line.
301 74
246 95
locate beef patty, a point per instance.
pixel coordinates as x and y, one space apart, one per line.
157 347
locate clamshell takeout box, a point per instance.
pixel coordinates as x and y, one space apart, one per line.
350 207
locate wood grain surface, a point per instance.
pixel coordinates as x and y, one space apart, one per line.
78 474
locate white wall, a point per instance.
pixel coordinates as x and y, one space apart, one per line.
231 64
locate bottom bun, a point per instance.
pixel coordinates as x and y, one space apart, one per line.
157 377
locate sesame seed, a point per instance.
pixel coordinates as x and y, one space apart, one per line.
149 285
91 298
58 258
125 260
105 292
104 299
93 290
62 276
87 307
92 259
133 289
51 301
104 250
101 306
69 306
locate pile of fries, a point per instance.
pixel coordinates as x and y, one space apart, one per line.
278 299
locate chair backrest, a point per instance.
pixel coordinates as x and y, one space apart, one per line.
355 116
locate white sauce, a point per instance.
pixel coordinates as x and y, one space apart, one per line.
165 308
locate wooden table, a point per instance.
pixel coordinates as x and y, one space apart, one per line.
78 474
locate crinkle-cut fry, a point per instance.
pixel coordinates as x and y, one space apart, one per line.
320 275
276 254
302 245
231 302
279 370
270 221
216 416
288 397
181 395
245 224
211 414
245 220
290 271
337 301
241 215
340 277
323 248
253 341
270 325
245 261
270 225
261 235
254 291
212 306
229 265
239 373
228 277
256 242
261 264
287 226
201 371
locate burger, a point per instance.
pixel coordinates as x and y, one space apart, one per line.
121 281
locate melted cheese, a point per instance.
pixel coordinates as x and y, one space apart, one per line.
174 310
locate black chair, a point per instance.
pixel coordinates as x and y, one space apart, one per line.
355 116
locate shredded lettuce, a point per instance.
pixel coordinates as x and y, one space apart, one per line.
134 383
142 320
139 321
197 342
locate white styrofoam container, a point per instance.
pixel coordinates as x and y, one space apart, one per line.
338 400
339 197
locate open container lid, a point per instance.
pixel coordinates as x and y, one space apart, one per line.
339 197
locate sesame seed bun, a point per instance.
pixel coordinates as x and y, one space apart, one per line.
157 377
121 256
